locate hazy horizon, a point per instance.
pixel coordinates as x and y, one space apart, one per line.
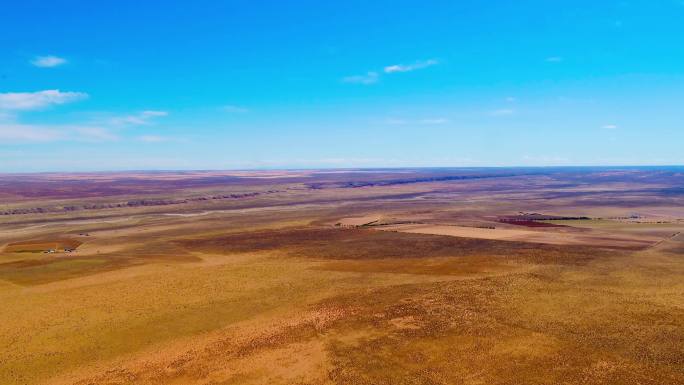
362 169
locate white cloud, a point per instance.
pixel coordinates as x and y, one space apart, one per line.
152 138
369 78
152 113
423 122
511 99
48 61
373 77
410 67
609 126
554 59
12 104
433 121
11 130
17 132
27 133
396 122
140 119
234 109
502 112
91 133
16 101
4 116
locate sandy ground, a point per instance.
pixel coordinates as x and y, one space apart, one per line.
549 237
359 221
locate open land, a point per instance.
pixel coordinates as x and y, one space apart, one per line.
404 276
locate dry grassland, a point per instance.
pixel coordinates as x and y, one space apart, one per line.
267 290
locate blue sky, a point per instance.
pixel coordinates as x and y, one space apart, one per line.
115 85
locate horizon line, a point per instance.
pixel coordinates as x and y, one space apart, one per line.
633 166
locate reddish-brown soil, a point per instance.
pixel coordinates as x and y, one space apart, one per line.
528 223
40 245
355 244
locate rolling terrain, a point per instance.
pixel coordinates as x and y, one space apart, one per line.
405 276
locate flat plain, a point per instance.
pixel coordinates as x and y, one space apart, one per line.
394 276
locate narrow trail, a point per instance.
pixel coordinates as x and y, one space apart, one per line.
664 240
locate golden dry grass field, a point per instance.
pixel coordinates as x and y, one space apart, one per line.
415 276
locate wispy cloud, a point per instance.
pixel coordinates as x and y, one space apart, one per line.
153 113
92 133
107 128
235 109
369 78
48 61
609 126
410 67
22 101
554 59
434 121
373 77
142 118
396 122
152 138
17 132
13 104
12 132
502 112
421 122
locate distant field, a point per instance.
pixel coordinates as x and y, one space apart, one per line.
41 245
557 238
322 278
